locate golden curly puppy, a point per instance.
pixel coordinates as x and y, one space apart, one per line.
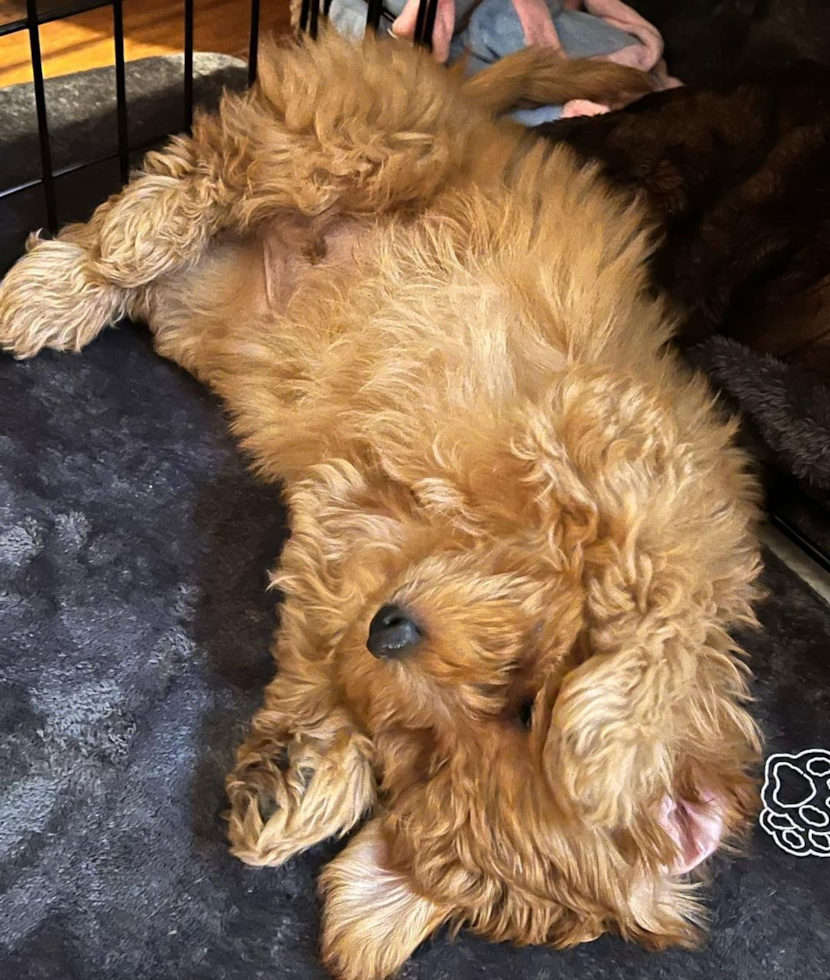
520 532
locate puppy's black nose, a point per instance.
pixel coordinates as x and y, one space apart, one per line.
392 632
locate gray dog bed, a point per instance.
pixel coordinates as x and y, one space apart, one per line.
134 627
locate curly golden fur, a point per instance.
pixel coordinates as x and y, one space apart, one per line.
432 331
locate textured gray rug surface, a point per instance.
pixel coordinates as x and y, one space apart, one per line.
134 626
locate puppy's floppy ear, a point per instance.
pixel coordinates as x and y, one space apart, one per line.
650 741
648 737
373 919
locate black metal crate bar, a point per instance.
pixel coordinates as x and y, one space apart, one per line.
32 23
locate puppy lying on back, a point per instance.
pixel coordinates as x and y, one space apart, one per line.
737 178
520 532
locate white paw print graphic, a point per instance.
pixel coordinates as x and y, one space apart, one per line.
796 798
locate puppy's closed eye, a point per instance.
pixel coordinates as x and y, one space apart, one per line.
526 714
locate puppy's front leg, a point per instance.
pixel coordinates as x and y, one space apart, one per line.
305 771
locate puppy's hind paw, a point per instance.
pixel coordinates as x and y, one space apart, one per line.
49 299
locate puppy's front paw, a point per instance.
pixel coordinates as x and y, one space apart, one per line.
260 803
48 299
287 794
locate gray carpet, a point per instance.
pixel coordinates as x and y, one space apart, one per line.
133 632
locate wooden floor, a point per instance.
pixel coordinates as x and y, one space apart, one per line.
151 27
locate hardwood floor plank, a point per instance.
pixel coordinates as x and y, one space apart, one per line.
151 27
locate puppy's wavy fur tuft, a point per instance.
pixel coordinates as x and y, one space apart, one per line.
433 332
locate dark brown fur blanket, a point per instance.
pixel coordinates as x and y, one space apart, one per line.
737 176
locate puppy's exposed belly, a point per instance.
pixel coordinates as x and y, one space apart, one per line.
290 247
240 281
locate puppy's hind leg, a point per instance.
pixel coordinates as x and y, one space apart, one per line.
64 291
331 127
49 299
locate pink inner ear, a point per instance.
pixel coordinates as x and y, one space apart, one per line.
695 828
